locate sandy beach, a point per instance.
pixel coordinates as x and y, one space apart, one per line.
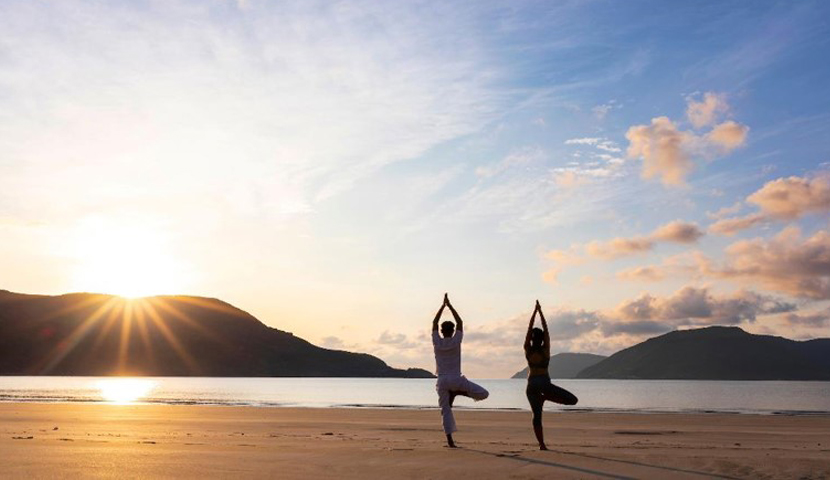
94 440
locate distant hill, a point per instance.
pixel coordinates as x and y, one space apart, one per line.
566 365
717 353
92 334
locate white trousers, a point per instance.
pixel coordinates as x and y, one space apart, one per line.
459 384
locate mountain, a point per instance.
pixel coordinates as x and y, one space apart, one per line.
566 365
93 334
717 353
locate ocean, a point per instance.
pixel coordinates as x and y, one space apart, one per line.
645 396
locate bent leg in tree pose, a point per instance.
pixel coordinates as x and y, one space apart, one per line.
451 383
539 387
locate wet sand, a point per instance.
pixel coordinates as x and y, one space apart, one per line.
95 440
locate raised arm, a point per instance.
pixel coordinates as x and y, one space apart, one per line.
544 326
459 324
438 315
530 326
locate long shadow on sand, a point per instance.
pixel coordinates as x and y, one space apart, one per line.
640 464
552 464
598 472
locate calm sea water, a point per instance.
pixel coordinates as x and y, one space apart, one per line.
600 395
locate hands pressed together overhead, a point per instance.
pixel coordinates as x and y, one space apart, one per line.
446 304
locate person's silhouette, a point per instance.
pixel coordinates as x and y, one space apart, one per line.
451 382
539 386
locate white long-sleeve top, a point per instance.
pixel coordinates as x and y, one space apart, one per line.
447 353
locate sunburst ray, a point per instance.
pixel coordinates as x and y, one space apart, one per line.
124 342
174 342
168 307
69 344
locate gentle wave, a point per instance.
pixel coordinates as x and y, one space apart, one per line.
6 398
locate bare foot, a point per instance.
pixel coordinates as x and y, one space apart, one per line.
542 446
450 443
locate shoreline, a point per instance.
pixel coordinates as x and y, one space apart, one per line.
548 408
105 440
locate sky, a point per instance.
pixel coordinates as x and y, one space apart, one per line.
334 167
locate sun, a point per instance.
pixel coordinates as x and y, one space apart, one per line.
124 390
131 260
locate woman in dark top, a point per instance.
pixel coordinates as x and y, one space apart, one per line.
539 386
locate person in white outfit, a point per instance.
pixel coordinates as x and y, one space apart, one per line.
451 382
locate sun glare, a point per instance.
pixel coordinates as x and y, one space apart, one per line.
124 390
130 261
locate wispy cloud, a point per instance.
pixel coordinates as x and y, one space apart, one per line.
676 231
289 105
601 110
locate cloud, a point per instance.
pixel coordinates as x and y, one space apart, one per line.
561 258
565 257
787 198
727 136
569 179
704 113
601 110
516 159
635 328
731 226
581 174
609 147
647 273
787 263
519 189
663 150
814 320
551 275
679 232
264 111
618 247
792 197
565 324
676 231
583 141
600 143
606 331
686 263
573 328
668 153
332 342
698 306
397 340
725 211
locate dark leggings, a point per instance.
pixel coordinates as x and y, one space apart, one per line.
539 389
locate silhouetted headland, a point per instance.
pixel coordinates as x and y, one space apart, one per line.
717 353
94 334
566 365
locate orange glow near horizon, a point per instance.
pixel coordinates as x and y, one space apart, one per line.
124 391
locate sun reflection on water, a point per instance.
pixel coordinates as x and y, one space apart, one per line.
123 391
